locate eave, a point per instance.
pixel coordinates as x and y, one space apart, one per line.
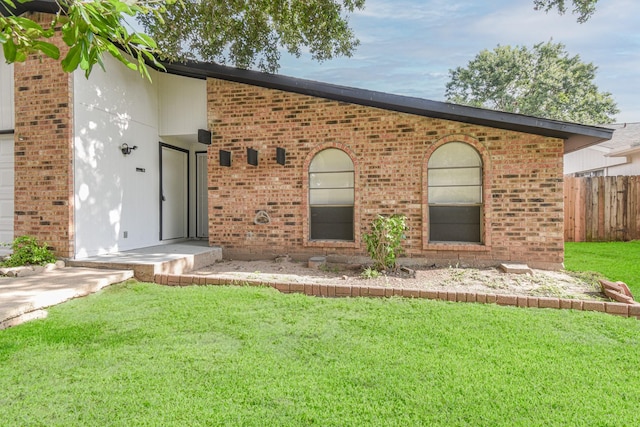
44 6
576 136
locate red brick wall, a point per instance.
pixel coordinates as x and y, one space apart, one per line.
523 196
44 152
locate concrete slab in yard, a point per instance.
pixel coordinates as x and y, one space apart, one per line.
21 298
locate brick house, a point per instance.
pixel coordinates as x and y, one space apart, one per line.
290 166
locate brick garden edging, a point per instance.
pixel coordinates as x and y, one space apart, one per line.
333 291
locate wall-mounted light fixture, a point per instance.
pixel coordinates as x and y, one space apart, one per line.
204 136
225 158
281 156
126 150
252 156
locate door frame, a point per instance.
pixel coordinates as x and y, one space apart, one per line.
183 150
196 154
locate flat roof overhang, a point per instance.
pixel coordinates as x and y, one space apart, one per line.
45 6
576 136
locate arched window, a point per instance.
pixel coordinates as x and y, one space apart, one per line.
331 196
455 194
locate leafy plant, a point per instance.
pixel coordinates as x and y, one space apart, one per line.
27 251
384 240
89 28
370 273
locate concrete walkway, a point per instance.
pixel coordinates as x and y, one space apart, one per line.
24 298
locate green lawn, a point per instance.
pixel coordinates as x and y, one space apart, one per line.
614 260
143 354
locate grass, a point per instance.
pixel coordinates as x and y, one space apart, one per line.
614 260
145 355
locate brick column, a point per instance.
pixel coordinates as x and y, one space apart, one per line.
44 151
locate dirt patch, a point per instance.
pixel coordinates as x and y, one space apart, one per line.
559 284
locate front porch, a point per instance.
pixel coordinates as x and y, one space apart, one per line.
174 258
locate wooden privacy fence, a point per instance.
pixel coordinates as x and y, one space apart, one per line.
603 208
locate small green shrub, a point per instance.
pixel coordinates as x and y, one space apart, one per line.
26 251
370 273
384 240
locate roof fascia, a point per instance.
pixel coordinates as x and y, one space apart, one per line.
576 136
45 6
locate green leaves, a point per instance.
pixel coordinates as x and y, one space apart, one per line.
27 251
89 29
73 58
10 50
583 8
21 36
543 82
245 33
384 240
92 29
48 49
251 34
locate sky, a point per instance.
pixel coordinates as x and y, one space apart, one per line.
407 47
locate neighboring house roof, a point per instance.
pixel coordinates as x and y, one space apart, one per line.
576 136
625 140
618 156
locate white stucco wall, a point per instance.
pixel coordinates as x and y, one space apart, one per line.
6 94
112 194
183 105
111 197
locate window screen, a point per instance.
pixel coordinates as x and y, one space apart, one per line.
331 196
454 174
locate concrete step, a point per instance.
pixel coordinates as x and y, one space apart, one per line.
175 258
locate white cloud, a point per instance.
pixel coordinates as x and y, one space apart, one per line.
407 10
